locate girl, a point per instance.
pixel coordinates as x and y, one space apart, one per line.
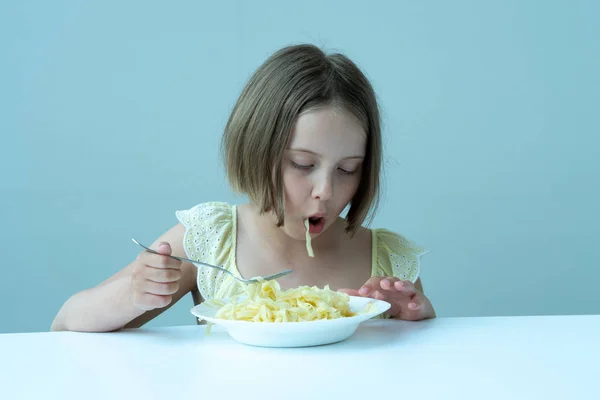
303 142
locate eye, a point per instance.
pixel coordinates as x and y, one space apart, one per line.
301 166
346 172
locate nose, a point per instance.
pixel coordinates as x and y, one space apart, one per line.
323 187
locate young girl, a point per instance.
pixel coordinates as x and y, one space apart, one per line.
303 142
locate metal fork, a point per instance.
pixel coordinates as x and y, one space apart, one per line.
250 280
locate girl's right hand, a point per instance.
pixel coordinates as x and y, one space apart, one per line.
155 278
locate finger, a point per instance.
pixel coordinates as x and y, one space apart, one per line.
149 301
417 309
414 304
350 292
406 287
159 261
164 248
388 283
162 275
159 288
379 295
370 286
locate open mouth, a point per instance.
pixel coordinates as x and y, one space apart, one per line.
316 224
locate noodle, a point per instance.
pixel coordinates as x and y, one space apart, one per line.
308 239
266 302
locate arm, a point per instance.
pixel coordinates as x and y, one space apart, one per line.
109 306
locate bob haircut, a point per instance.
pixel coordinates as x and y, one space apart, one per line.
293 80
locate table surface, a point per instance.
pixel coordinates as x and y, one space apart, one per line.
544 357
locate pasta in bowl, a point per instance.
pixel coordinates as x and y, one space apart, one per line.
305 316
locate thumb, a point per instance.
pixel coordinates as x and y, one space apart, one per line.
350 292
164 248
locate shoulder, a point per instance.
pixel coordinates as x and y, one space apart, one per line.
206 213
396 255
210 236
209 231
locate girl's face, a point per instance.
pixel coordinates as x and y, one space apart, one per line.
321 169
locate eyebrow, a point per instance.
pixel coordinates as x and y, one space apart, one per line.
317 154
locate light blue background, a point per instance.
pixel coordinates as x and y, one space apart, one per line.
111 115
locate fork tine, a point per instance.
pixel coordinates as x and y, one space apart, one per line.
265 278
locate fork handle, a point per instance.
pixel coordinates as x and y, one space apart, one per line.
240 279
183 259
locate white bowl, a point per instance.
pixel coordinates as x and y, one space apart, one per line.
294 334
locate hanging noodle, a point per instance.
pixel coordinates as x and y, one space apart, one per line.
308 239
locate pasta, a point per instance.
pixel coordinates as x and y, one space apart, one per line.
266 302
308 239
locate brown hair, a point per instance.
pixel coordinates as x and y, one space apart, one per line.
291 81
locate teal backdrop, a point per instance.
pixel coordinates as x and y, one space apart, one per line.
111 114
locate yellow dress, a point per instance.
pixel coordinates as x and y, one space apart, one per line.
210 237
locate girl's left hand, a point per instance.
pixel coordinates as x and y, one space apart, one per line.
408 303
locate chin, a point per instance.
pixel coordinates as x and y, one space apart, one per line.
300 236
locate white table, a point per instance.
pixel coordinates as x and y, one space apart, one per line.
454 358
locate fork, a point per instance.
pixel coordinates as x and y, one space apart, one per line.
249 280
